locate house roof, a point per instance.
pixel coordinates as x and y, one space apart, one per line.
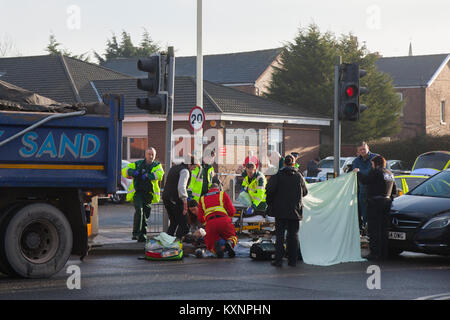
185 94
240 67
60 78
413 71
217 99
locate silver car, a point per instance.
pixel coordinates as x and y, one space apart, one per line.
121 194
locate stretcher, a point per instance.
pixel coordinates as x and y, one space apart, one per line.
257 223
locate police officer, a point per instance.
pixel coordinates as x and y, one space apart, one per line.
363 163
255 184
144 190
380 190
201 179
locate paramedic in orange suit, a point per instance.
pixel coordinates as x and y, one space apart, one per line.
216 210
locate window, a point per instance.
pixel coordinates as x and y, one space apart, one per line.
443 111
400 95
133 148
275 142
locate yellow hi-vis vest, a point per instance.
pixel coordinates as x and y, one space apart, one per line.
256 187
196 184
157 170
219 208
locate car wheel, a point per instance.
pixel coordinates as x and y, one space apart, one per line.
37 241
394 253
117 198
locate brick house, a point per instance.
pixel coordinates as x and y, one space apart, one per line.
236 123
423 82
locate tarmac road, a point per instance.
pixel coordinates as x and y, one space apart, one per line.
115 270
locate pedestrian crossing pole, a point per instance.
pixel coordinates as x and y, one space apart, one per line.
337 122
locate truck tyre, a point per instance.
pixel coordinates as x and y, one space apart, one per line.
4 220
38 241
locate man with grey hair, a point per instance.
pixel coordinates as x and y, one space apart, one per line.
144 190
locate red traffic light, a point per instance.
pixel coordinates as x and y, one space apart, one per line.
351 91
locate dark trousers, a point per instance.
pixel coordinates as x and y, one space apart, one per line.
178 225
292 227
142 208
378 222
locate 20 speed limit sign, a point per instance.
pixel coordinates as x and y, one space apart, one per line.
196 118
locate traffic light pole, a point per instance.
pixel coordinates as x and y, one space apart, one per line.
170 104
169 122
337 122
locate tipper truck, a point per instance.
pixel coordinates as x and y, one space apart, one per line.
51 165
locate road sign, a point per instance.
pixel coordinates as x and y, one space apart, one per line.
196 118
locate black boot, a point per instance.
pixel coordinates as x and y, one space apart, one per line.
229 249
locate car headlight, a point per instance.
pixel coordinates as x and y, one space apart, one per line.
437 223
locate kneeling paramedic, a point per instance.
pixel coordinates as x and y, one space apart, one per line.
216 210
144 190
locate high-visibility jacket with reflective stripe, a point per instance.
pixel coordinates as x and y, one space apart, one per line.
256 187
215 202
158 172
196 184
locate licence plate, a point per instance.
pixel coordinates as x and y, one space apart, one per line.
397 235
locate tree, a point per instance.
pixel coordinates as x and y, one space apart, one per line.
53 49
7 47
124 48
305 80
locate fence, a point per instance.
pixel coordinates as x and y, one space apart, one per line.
158 221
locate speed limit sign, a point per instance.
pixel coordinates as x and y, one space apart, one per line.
196 118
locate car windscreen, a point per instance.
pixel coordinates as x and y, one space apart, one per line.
413 182
433 160
329 164
435 186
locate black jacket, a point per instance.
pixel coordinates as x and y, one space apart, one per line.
170 192
284 194
380 183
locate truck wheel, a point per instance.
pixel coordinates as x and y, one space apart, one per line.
38 241
4 220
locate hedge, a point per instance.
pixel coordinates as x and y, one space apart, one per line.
406 150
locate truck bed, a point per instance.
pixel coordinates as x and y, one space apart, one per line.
82 151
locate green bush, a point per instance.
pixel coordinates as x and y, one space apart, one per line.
408 150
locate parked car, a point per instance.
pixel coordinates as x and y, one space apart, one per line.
405 183
431 162
420 220
326 165
397 167
122 189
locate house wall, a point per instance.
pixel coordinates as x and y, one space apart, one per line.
438 91
263 82
413 119
304 140
300 138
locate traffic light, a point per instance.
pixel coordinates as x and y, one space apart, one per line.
154 84
350 91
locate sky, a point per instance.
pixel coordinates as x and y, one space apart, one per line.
385 26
